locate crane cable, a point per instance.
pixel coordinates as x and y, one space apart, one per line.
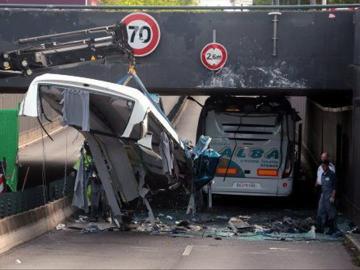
65 165
43 167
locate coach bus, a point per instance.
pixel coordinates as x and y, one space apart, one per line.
256 138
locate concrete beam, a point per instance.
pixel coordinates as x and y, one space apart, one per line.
314 51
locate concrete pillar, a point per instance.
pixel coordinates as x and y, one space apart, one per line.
353 186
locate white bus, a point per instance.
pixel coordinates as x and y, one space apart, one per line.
256 138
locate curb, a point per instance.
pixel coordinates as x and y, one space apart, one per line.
353 245
23 227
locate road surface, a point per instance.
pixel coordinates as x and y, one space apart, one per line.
106 250
72 249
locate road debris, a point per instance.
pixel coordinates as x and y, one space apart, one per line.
312 233
281 225
240 226
91 228
292 225
222 217
60 226
208 225
82 219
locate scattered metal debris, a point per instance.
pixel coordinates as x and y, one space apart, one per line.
60 226
91 228
283 225
261 226
239 226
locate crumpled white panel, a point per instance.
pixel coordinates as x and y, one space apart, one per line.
29 106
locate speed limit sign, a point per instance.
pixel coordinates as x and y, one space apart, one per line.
143 33
213 56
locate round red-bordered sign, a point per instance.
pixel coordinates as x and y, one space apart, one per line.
2 183
143 33
213 56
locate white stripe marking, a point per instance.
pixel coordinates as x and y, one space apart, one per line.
187 250
45 136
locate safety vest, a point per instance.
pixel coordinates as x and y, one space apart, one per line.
87 162
2 183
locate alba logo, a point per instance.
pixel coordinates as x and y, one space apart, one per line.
254 153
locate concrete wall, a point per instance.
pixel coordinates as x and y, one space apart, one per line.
353 184
17 229
330 129
325 128
314 51
352 190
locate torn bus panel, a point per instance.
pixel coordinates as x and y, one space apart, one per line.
75 109
134 147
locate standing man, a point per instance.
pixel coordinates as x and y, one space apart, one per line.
324 156
326 214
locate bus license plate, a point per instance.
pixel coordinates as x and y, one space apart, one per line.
247 185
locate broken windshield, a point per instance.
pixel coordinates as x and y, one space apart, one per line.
88 111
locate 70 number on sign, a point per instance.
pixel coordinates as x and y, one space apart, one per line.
140 34
143 33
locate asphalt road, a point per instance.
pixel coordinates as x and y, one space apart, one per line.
105 250
72 249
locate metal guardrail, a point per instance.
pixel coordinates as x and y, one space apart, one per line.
56 189
116 7
12 203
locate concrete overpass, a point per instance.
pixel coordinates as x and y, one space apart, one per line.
314 52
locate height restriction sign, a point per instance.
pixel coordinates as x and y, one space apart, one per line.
143 33
213 56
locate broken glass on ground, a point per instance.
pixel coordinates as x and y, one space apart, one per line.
258 226
223 223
